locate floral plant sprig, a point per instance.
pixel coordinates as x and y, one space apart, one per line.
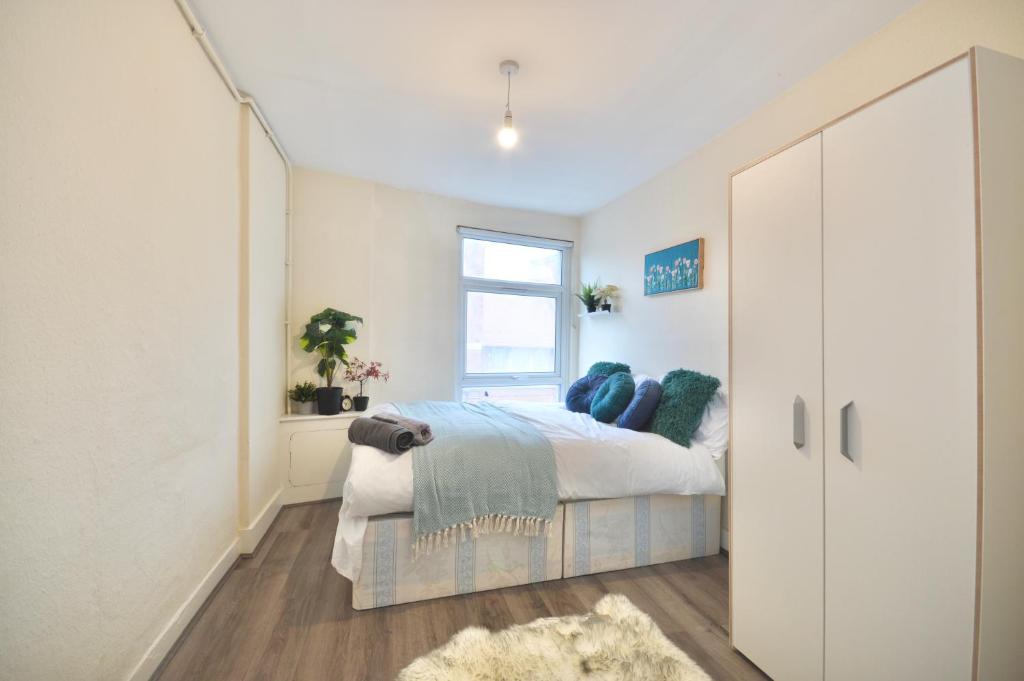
360 372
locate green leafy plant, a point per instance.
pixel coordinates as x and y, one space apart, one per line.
327 334
588 295
303 392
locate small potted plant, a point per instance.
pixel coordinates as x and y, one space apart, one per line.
327 334
360 372
302 396
605 294
588 296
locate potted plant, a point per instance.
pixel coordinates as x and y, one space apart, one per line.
605 294
302 397
588 296
327 334
360 372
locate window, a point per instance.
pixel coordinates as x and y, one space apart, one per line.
514 317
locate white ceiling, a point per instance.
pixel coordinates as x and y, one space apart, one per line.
610 91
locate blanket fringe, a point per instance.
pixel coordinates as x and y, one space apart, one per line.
486 524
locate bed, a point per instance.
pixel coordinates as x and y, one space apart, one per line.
626 498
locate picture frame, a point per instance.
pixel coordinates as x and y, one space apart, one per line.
676 268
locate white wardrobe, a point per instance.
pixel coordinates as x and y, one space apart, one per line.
877 388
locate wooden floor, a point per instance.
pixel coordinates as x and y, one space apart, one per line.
286 614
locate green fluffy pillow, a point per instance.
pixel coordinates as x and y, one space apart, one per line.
612 398
684 396
607 369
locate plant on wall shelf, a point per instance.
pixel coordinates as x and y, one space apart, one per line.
360 372
303 394
327 334
588 296
605 294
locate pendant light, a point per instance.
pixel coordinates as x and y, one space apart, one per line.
507 136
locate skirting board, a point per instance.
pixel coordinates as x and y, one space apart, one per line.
170 634
249 537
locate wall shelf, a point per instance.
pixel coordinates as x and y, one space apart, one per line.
598 313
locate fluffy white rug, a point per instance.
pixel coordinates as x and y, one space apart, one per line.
614 642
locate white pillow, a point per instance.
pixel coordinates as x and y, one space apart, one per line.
713 431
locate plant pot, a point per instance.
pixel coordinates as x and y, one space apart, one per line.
591 308
606 307
328 401
361 402
302 408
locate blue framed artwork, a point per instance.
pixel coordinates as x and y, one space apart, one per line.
677 268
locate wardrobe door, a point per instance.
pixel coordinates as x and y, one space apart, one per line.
776 401
901 389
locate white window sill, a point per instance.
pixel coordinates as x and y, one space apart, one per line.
290 418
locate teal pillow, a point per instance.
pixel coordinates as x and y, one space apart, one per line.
684 395
612 398
607 369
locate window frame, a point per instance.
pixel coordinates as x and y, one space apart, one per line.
560 292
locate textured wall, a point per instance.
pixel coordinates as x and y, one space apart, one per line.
263 305
119 220
391 256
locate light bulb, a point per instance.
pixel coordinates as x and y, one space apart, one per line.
507 137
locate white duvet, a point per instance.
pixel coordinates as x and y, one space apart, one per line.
593 460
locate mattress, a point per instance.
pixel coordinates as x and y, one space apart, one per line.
593 460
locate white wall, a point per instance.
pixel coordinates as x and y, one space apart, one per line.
690 329
119 220
690 199
262 333
391 256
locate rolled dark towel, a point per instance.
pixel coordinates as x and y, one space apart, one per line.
420 430
390 437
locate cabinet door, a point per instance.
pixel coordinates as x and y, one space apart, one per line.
319 457
776 486
901 346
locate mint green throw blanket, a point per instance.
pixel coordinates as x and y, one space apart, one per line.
485 471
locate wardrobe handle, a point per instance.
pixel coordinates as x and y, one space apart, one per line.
798 422
844 430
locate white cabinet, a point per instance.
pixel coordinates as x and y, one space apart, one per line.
776 546
869 263
901 344
315 455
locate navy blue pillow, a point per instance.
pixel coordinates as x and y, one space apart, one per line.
640 410
581 393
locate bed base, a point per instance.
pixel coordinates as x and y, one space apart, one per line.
586 537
